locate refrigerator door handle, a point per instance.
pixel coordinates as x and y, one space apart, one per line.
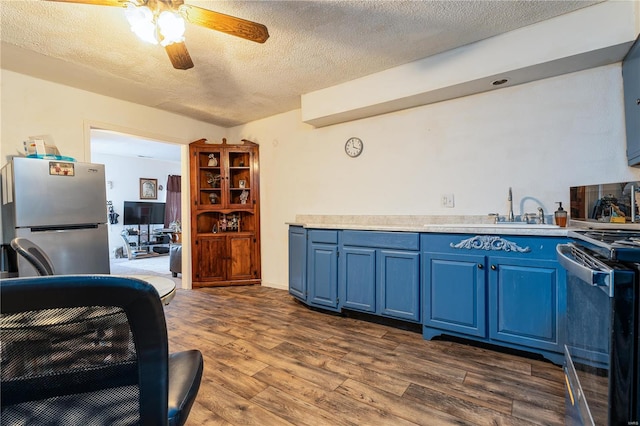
63 227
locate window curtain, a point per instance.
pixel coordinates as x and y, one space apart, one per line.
173 208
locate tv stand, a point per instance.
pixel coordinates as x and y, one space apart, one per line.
154 243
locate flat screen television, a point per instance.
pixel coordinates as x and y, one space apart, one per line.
143 213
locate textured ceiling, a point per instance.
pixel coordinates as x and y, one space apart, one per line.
312 45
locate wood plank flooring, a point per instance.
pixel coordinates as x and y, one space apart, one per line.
269 360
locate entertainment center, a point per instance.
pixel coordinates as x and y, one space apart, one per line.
141 214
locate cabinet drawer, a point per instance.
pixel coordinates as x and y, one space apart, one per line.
323 236
392 240
504 245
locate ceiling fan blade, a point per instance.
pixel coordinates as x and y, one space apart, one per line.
120 3
225 23
179 56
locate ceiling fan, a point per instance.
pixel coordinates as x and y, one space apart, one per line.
162 22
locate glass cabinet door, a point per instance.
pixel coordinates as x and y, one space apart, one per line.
210 178
225 179
239 180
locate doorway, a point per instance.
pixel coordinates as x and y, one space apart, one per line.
131 161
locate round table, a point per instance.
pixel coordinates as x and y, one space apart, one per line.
165 287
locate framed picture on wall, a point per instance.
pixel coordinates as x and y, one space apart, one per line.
148 189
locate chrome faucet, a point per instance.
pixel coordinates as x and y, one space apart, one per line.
540 216
510 218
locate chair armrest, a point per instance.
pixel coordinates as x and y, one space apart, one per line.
185 374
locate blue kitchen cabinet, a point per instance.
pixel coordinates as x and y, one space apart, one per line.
525 302
298 262
455 296
380 273
358 278
399 284
504 290
322 269
631 81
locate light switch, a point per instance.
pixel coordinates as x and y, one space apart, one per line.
446 200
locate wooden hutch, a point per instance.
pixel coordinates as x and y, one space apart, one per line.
225 213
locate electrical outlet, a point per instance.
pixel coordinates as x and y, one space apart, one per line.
446 200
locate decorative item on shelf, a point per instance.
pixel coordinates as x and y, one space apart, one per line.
233 223
241 163
148 189
243 196
213 180
223 223
242 183
213 198
215 228
213 162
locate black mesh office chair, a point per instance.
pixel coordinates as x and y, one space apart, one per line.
34 255
90 350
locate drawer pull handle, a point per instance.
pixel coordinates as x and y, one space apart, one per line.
480 266
493 267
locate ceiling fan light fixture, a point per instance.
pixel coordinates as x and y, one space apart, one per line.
142 22
171 26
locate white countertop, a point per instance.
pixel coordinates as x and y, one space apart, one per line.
438 224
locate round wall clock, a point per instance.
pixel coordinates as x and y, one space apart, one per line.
353 147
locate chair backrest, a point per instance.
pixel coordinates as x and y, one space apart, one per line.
83 349
34 255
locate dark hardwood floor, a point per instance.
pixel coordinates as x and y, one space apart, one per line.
269 360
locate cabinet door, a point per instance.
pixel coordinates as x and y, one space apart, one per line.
399 283
358 278
454 293
298 262
238 186
224 178
631 76
240 256
524 302
208 177
322 269
209 261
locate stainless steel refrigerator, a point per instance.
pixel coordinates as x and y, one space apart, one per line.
60 206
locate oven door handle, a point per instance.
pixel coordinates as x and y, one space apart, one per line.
584 273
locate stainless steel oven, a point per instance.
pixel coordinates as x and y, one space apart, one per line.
601 351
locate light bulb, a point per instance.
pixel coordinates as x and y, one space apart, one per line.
141 21
172 27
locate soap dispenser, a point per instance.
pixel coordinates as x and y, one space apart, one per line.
560 215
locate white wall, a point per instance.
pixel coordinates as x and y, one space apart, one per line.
36 107
124 173
32 106
539 138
